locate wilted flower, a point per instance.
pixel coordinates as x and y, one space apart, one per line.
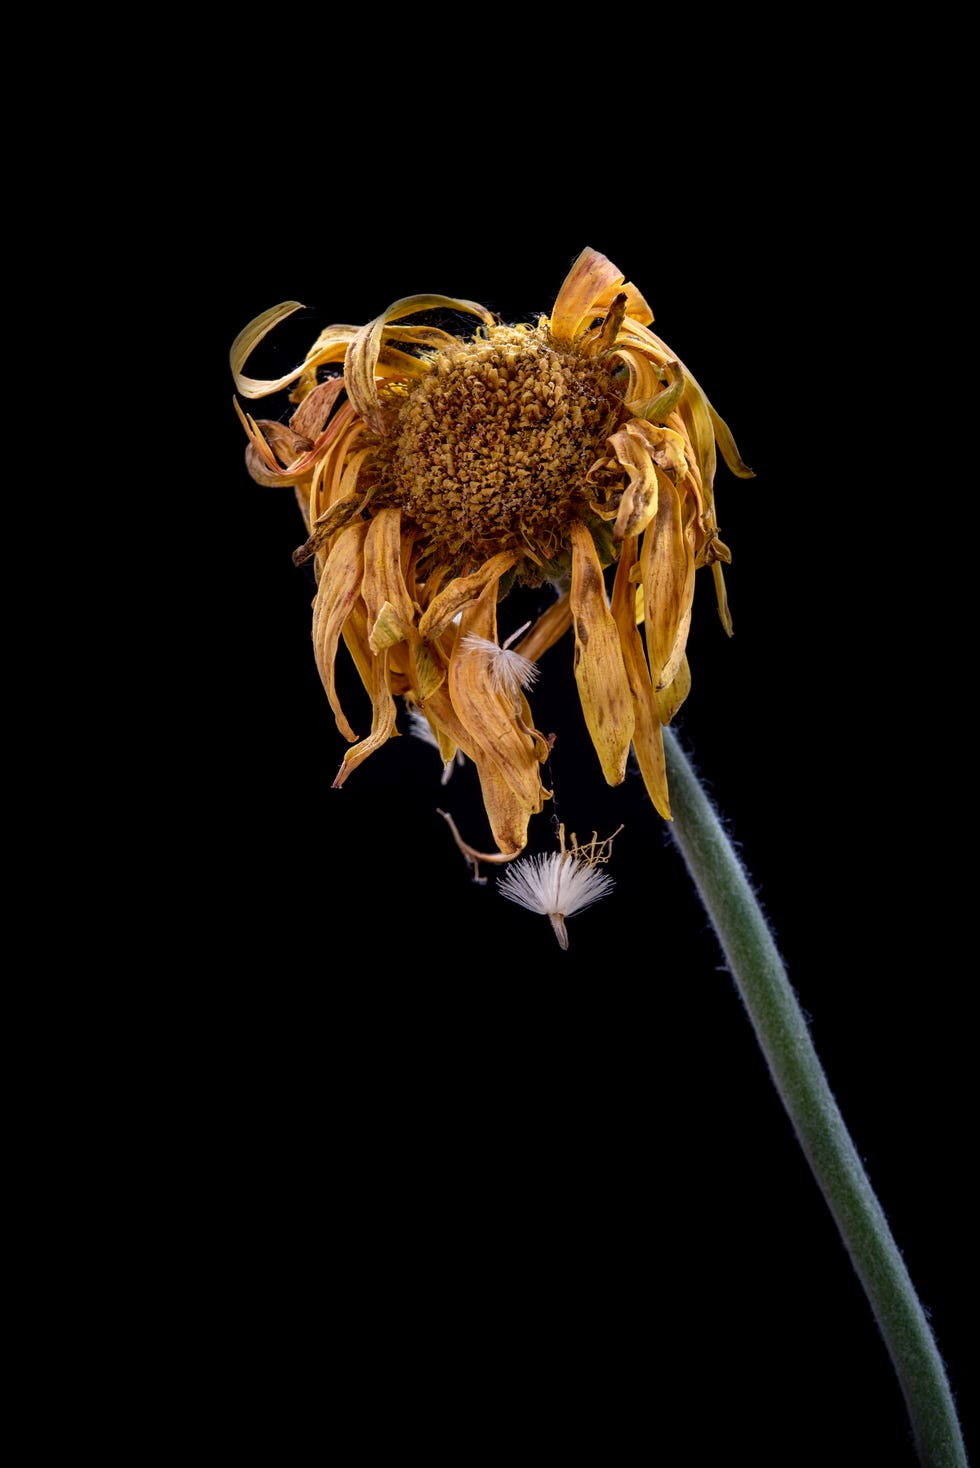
437 472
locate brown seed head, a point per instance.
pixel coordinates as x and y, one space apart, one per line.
491 449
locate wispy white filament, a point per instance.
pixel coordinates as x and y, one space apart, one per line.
419 725
509 671
556 885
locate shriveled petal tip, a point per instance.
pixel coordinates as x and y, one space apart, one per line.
589 290
382 722
245 343
729 451
290 443
639 447
707 429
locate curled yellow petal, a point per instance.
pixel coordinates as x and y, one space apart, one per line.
657 409
430 670
355 634
588 291
383 589
648 740
301 456
310 418
387 628
645 376
726 443
721 594
639 501
508 812
600 673
245 343
339 588
271 445
487 709
667 564
382 723
669 699
350 498
365 349
445 605
666 446
507 754
339 471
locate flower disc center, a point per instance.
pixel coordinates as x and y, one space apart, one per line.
491 449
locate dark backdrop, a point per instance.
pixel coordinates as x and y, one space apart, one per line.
467 1174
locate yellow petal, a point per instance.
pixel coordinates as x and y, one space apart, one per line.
306 455
338 469
638 504
645 375
721 596
383 588
648 740
356 642
387 628
507 811
430 671
726 443
382 723
439 711
636 341
547 630
310 418
669 699
667 564
658 407
449 751
245 343
488 712
600 673
338 590
693 410
271 445
350 498
361 365
666 446
588 291
462 589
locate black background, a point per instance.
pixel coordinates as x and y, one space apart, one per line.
480 1191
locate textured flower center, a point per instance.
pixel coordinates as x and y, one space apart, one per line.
491 449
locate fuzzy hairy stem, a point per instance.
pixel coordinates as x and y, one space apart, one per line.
796 1071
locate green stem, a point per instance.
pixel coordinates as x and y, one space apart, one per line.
796 1071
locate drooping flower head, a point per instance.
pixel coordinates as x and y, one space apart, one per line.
436 472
